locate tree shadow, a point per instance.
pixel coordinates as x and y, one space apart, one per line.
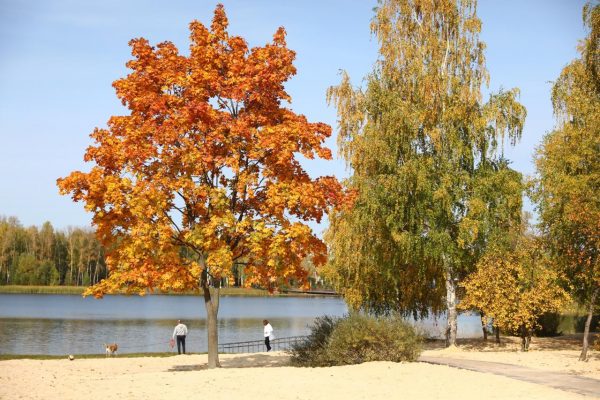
253 360
187 368
248 360
506 344
513 343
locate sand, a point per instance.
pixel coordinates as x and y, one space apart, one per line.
558 354
265 376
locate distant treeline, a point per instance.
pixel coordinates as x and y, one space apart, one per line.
45 256
71 257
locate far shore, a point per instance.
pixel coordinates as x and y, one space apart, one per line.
225 291
256 376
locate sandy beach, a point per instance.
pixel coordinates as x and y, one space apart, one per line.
267 376
556 354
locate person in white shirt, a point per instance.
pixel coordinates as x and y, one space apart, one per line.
268 334
179 333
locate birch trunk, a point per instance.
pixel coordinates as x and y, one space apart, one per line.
452 312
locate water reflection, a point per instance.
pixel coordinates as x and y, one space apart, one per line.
58 324
71 336
61 324
163 307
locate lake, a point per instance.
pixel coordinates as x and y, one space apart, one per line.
64 324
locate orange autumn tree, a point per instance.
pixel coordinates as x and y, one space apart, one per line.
202 173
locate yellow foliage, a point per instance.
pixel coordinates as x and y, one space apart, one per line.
514 288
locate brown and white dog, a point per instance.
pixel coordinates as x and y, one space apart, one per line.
111 349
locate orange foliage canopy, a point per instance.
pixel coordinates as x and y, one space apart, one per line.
203 172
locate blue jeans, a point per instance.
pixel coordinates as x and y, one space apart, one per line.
180 343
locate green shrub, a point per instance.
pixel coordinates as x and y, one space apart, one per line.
312 352
356 339
548 325
361 338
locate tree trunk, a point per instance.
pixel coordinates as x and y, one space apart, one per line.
483 325
71 258
497 332
588 323
525 338
97 265
452 313
211 302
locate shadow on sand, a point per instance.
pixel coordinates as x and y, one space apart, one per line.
187 368
512 343
252 360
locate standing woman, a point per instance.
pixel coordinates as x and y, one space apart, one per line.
179 333
268 333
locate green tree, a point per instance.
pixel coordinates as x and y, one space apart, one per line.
26 270
7 228
13 243
567 183
45 273
43 256
60 256
425 152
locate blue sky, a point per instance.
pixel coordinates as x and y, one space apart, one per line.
59 58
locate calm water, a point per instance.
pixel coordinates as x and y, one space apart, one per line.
61 324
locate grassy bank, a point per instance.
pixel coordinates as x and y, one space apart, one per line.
20 289
78 290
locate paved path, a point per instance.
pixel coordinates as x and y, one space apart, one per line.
557 380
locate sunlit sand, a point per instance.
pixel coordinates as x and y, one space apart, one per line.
266 375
